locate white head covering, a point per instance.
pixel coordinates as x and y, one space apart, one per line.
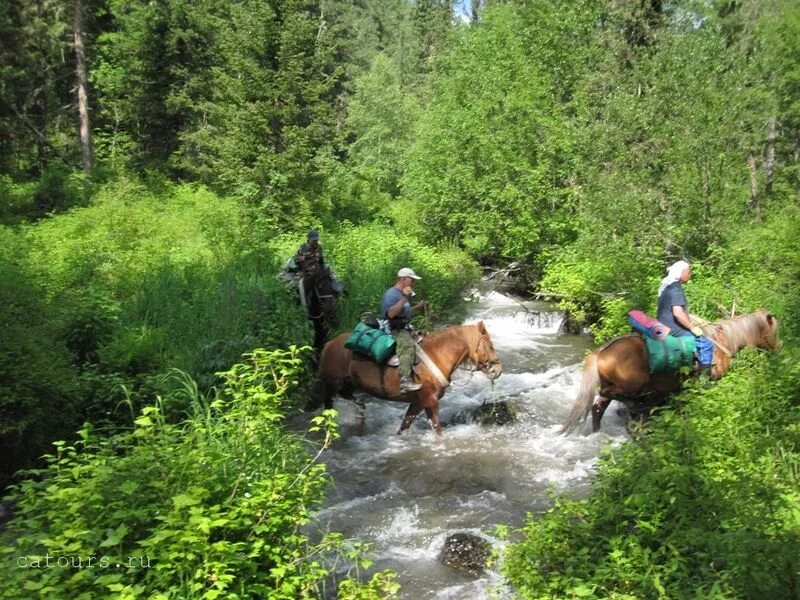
673 274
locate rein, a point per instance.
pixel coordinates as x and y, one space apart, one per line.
719 346
320 297
492 396
437 373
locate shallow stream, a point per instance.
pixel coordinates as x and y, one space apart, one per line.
405 495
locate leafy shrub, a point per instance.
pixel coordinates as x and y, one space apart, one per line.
705 505
38 392
212 507
366 259
57 190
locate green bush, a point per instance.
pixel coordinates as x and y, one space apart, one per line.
39 395
705 505
110 296
366 259
215 506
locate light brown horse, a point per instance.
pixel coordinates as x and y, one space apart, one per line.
342 371
621 370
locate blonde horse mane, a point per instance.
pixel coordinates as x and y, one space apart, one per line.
469 334
759 329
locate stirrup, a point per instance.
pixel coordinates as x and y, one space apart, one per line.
394 361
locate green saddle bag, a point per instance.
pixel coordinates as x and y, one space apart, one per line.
671 353
375 343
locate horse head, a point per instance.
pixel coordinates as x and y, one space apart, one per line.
483 355
770 339
321 294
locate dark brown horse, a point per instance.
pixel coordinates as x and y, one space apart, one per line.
342 371
318 296
621 370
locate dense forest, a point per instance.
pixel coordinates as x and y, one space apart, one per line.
160 161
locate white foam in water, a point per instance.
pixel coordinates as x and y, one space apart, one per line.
405 494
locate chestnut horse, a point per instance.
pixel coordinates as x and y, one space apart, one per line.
622 372
342 371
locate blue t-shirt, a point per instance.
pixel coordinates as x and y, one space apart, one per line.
390 298
673 295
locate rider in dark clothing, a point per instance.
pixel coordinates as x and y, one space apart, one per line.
309 257
673 310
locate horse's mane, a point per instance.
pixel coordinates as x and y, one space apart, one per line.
446 333
746 330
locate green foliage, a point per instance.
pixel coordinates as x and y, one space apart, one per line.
381 115
491 161
759 267
37 385
149 279
36 91
115 294
600 292
216 506
705 505
58 189
366 259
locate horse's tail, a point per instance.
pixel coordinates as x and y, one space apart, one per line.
583 403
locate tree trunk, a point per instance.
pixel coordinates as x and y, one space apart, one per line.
84 126
769 165
751 163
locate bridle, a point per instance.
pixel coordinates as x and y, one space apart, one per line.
315 279
484 365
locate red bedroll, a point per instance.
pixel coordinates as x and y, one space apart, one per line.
648 325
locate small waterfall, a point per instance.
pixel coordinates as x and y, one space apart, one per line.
405 494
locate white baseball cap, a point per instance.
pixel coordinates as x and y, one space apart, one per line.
406 272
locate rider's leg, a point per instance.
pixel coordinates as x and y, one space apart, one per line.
405 354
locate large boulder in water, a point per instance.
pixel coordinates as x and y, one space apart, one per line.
466 552
495 413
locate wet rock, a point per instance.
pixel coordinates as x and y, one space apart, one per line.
495 413
466 552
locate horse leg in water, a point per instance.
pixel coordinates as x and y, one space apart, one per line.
413 410
433 415
598 408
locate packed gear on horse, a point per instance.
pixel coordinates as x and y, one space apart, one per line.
342 371
370 339
669 352
621 369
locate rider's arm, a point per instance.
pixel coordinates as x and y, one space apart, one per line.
300 256
682 317
396 309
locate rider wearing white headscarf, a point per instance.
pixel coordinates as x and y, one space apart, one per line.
674 273
673 310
